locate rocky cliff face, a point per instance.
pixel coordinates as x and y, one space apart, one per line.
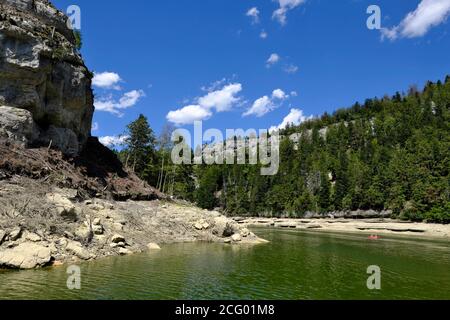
45 87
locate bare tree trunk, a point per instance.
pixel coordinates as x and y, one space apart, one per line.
128 159
173 181
224 191
164 184
161 174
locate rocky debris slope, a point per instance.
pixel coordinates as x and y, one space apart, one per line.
96 172
42 225
45 87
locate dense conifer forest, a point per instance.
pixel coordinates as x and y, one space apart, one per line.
389 153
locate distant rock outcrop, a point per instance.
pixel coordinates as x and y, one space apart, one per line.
45 87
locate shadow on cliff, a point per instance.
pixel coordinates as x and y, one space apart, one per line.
96 172
100 161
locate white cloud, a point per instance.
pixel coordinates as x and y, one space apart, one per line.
110 105
263 35
291 69
279 94
429 14
129 99
254 14
105 104
265 104
113 141
273 59
260 107
285 6
223 99
106 80
391 34
215 85
188 115
95 127
295 117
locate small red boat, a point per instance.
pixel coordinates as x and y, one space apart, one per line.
374 237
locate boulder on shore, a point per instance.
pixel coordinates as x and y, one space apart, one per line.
15 234
236 237
63 206
117 238
77 249
25 256
223 227
124 252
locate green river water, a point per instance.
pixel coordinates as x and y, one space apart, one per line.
294 265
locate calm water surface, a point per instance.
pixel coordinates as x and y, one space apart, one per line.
295 265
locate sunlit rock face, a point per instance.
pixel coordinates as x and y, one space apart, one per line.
42 73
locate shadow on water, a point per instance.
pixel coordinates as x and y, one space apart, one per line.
294 265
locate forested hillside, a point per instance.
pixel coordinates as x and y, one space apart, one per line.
386 154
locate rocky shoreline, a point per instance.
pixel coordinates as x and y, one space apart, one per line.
57 228
368 226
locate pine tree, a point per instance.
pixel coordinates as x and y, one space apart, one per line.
325 193
140 144
341 181
206 193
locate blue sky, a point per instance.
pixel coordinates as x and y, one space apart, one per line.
210 56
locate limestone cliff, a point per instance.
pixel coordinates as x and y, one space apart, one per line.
45 87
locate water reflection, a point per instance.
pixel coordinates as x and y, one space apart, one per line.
294 265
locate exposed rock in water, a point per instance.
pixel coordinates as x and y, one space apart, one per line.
236 237
153 246
45 87
245 232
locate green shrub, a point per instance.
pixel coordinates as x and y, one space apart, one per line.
78 39
411 215
439 214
